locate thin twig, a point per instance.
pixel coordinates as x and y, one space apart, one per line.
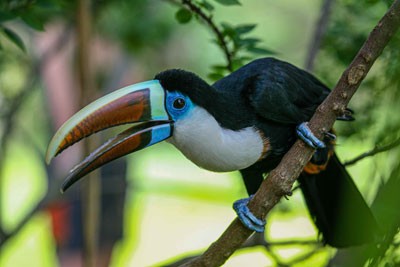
258 240
281 179
51 196
305 256
9 115
9 126
275 257
376 150
320 29
218 33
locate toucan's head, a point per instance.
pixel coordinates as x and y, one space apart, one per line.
152 107
203 123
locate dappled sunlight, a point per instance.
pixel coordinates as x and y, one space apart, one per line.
33 246
174 226
26 184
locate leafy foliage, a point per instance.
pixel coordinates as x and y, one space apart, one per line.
133 24
228 2
233 40
13 37
35 14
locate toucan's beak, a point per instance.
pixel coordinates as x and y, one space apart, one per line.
142 104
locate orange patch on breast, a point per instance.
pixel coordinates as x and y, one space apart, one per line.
312 168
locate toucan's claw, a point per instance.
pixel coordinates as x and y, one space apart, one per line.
247 217
330 136
305 134
347 115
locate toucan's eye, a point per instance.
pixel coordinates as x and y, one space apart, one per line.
179 103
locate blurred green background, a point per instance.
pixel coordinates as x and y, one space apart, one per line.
174 209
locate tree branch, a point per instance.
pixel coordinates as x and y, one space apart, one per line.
281 179
319 31
376 150
258 240
210 22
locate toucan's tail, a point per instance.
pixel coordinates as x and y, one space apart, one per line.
337 207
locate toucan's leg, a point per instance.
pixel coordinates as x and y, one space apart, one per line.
247 217
305 134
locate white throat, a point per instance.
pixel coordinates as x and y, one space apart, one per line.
203 141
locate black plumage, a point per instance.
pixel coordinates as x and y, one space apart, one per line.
275 97
337 207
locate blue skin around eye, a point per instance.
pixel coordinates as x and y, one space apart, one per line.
175 113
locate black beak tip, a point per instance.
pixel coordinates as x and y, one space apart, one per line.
68 182
64 187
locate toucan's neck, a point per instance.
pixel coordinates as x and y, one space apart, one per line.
209 145
218 134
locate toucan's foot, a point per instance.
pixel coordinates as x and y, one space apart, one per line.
305 134
330 136
247 217
347 115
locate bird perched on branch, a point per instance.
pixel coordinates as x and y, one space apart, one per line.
246 121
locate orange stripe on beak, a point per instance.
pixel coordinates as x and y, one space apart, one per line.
142 104
131 140
133 107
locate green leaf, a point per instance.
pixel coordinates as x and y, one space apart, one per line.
228 2
4 16
13 37
33 21
261 51
219 68
228 30
214 76
249 42
183 15
207 5
245 28
239 62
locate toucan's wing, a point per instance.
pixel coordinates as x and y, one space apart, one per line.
284 93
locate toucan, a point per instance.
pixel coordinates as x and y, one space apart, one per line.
244 122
